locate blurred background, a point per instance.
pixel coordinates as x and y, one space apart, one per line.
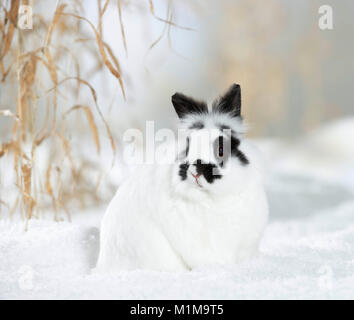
89 70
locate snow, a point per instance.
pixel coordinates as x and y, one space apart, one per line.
307 250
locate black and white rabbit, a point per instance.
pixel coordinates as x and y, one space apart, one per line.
209 207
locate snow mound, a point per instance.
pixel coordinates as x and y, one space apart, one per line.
311 257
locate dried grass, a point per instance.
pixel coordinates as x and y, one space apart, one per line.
27 58
91 121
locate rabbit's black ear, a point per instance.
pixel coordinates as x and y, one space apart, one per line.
185 105
230 102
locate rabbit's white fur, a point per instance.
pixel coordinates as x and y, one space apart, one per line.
157 221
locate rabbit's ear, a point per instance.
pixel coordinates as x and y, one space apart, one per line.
185 105
230 102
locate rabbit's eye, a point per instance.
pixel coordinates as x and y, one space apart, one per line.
221 151
221 147
187 147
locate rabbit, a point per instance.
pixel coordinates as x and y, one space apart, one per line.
207 208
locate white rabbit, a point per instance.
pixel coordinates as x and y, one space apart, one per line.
209 207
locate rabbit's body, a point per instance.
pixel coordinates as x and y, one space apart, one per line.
178 217
155 223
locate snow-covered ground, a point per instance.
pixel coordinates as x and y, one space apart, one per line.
307 250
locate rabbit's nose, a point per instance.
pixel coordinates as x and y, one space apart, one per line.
202 167
208 170
199 166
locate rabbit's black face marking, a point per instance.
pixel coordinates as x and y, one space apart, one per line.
235 152
183 168
184 154
187 147
223 127
208 170
235 142
221 148
197 125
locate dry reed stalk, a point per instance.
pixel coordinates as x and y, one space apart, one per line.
101 12
26 172
91 121
94 96
10 20
167 21
106 61
27 60
122 30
